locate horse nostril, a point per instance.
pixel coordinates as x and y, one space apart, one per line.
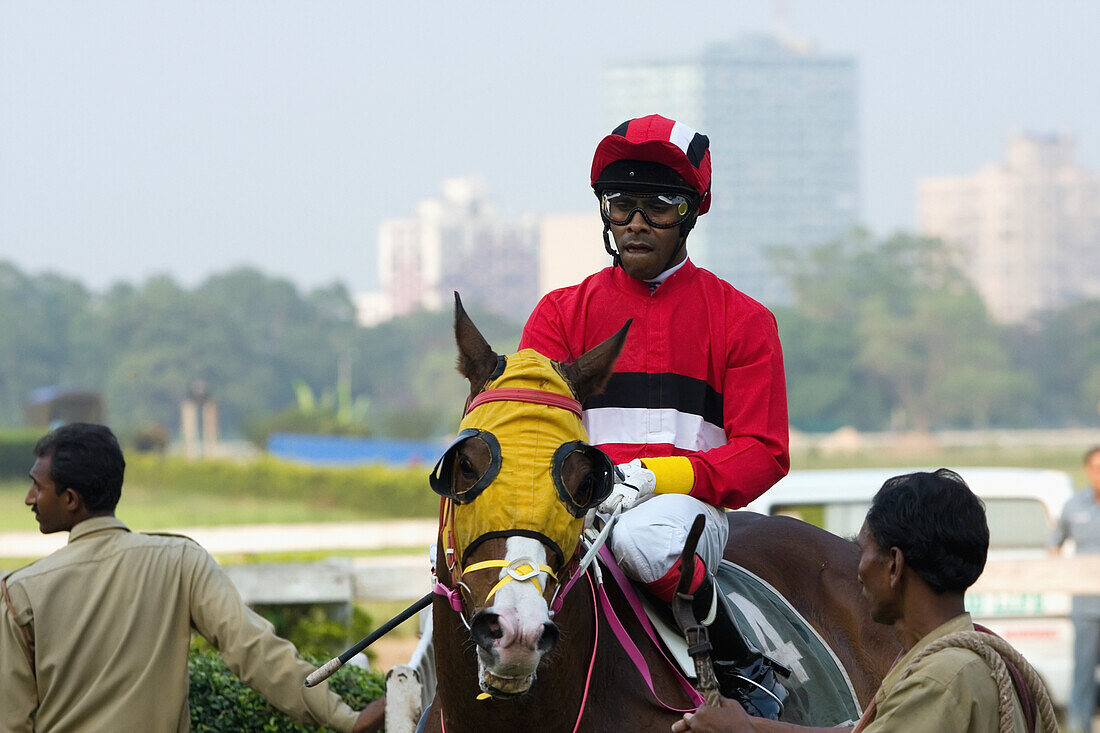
485 627
549 638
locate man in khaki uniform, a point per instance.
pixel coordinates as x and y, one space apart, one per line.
95 636
923 543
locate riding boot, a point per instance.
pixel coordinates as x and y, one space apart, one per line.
743 672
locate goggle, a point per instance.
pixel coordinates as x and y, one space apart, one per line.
583 474
661 210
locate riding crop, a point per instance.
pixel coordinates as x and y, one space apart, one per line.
327 669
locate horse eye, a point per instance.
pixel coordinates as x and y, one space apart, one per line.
583 493
579 478
467 468
472 460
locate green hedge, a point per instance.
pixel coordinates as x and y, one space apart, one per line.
384 491
221 703
17 452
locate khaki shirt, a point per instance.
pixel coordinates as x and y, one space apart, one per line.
95 638
951 691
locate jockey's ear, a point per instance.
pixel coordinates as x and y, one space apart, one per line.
476 360
588 375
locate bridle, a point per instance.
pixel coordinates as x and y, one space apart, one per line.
527 570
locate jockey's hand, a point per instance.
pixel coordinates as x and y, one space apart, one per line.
633 483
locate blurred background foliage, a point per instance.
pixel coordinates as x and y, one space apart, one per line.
885 334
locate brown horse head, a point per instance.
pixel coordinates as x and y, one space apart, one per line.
518 481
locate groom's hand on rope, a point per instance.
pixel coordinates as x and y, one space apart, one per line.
633 483
728 717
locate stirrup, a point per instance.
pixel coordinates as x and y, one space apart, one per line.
750 677
756 687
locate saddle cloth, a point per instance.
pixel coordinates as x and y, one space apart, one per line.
821 692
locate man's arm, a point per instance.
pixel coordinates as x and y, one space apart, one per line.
248 644
731 718
754 394
19 699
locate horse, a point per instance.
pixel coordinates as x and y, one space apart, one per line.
522 637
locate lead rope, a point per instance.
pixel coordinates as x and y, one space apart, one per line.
994 650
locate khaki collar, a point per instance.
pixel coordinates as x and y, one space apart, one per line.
95 524
962 622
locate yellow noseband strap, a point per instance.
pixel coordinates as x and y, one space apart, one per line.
520 570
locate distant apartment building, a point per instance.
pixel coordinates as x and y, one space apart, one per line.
783 126
454 243
1026 231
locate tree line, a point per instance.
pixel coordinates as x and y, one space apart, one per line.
885 333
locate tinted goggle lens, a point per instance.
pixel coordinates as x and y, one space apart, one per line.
661 210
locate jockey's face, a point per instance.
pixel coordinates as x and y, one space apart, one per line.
645 250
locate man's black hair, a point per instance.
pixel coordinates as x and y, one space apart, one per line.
86 458
939 525
1090 453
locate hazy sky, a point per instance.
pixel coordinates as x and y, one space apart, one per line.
191 136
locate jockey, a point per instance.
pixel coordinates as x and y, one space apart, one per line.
695 414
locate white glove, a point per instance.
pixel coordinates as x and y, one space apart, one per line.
633 483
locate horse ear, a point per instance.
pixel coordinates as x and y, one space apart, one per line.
589 374
476 359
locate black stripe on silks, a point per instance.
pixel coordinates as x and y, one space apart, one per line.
660 391
697 149
621 129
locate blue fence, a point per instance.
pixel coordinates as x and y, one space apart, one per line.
336 450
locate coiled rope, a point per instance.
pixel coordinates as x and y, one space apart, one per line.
994 651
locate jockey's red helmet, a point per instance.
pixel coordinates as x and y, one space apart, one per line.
639 153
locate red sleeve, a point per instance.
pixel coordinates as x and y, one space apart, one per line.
545 330
754 390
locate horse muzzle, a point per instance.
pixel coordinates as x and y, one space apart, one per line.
509 650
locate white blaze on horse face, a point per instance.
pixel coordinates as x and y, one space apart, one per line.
521 602
521 605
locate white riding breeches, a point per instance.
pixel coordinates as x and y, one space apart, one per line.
649 537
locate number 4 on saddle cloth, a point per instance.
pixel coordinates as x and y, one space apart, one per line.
820 691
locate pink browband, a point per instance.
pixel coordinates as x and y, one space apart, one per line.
534 396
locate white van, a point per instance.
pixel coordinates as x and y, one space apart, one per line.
1022 506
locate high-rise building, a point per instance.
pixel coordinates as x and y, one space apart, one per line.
455 243
1026 231
783 127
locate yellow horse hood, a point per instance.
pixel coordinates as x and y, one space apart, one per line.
523 499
